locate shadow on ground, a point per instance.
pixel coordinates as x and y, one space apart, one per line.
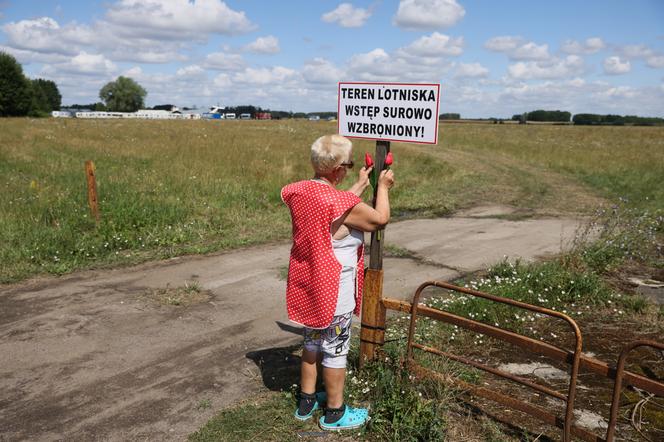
279 366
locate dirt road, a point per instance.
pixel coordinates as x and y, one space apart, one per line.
89 356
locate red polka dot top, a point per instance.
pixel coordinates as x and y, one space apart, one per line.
313 272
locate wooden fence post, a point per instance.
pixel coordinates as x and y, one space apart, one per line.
372 331
92 189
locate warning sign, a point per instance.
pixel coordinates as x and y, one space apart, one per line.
389 111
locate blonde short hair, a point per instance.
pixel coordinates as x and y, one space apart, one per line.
328 152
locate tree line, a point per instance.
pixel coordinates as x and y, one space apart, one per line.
21 96
587 119
544 115
616 120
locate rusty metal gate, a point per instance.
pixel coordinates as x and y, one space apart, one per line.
572 357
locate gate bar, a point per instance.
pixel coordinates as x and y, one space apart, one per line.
571 394
518 379
586 362
542 415
617 386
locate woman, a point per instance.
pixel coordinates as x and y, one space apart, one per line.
326 270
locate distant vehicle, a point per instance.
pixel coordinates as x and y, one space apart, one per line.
61 114
331 119
263 116
211 116
245 116
218 111
230 116
314 118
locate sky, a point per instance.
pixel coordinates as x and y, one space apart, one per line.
492 58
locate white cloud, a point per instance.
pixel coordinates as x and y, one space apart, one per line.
321 71
264 76
378 65
419 15
146 56
530 51
176 19
471 70
615 66
435 45
91 64
377 56
594 44
577 82
653 59
223 81
516 49
95 65
134 72
191 71
503 43
590 46
548 69
221 61
656 61
26 56
347 16
617 92
635 51
46 35
264 45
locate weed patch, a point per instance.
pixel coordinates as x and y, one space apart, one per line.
188 294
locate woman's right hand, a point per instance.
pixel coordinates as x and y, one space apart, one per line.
386 178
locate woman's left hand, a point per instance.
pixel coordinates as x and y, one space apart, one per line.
363 178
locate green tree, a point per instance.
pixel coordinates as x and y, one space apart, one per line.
15 88
449 116
123 95
48 93
39 106
549 115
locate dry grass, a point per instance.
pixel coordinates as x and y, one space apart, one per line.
188 294
170 188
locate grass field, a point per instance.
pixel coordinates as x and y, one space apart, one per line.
169 188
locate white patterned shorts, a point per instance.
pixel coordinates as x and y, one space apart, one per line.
333 341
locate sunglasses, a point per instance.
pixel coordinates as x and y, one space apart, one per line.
348 164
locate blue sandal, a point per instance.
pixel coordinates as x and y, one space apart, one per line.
321 398
351 419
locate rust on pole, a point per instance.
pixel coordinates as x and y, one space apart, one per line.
573 357
93 202
372 331
482 328
617 386
510 402
588 363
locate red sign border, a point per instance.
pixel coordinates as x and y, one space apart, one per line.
438 86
